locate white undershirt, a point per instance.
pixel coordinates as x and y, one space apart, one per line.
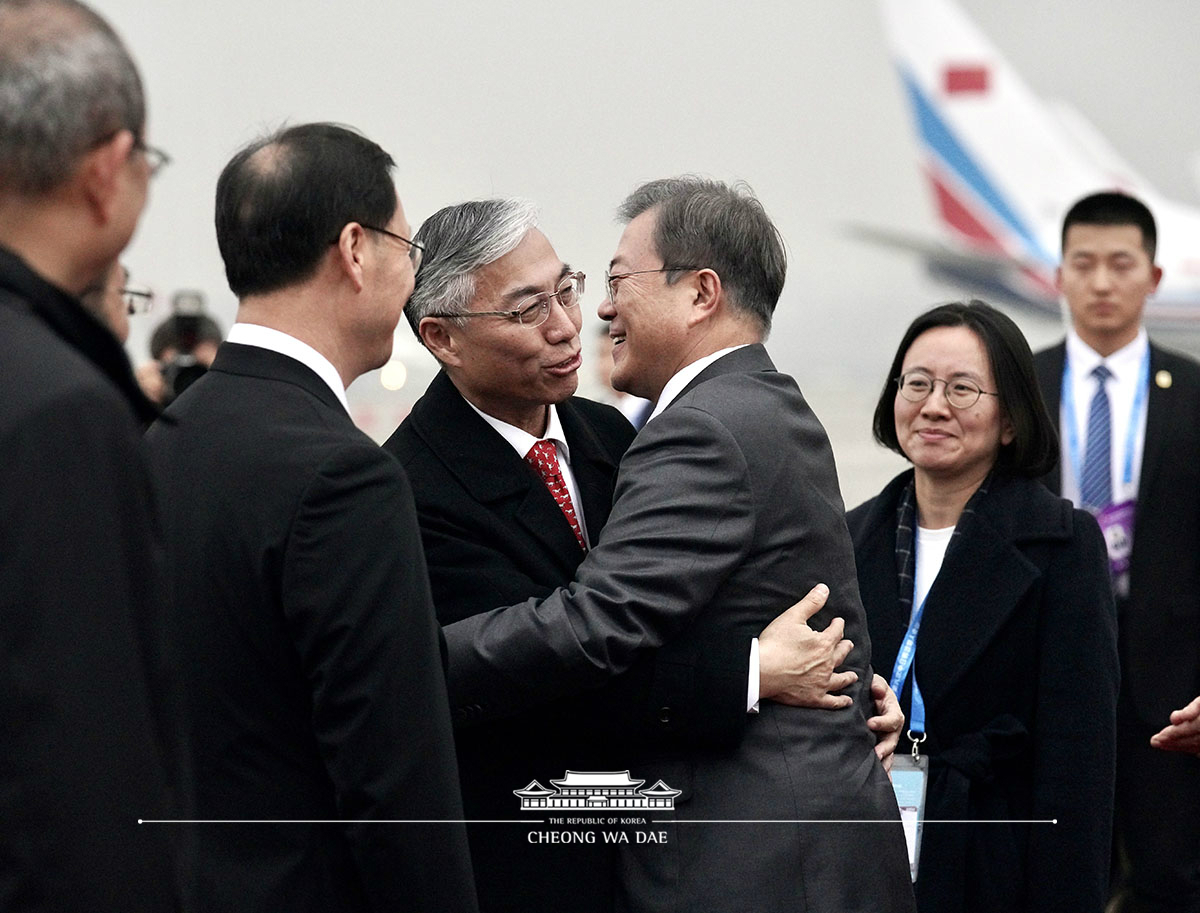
931 552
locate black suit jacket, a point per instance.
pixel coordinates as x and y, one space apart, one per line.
493 535
1160 622
1017 664
314 678
91 733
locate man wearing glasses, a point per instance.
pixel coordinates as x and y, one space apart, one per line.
499 310
91 739
302 614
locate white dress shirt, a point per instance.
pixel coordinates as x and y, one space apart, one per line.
683 377
522 442
251 334
1125 365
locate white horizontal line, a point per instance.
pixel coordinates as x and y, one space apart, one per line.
852 821
543 821
333 821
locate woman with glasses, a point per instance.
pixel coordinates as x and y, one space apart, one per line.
988 600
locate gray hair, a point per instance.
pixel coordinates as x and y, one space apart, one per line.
459 240
722 227
67 83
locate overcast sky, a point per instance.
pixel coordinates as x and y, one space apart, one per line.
573 103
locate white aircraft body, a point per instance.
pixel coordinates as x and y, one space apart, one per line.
1004 167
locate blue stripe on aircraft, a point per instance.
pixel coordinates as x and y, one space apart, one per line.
938 136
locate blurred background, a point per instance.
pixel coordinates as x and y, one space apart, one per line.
573 103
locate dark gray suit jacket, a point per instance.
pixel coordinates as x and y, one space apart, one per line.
726 509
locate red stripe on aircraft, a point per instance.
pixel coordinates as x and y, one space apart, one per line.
956 215
965 79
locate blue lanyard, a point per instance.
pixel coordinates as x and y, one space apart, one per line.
1072 430
905 663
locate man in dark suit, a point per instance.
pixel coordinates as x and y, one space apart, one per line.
726 506
314 677
482 507
1128 413
91 742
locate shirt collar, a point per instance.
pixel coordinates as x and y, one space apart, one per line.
521 440
253 334
684 376
1124 363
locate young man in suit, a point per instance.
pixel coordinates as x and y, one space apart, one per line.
91 737
726 507
1128 415
494 534
314 677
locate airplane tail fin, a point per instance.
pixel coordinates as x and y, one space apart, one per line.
1002 166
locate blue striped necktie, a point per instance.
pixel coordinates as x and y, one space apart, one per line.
1095 485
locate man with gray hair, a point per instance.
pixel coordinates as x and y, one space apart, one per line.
485 306
89 739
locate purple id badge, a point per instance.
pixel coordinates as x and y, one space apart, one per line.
1116 522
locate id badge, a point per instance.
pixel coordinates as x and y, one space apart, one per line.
909 778
1116 522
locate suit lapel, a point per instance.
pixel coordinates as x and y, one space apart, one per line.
491 472
978 588
1049 374
1159 407
595 471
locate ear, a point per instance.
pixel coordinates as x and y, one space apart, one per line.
438 335
1058 279
349 254
1157 274
99 175
707 302
1007 433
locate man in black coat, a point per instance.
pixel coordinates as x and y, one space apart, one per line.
90 737
1152 523
314 677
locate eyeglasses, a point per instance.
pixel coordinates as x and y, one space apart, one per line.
138 300
156 159
415 250
610 280
533 311
915 386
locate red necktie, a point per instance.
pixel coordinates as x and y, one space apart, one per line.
544 458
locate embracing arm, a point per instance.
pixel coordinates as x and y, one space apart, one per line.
681 522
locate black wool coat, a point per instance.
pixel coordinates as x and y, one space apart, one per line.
1017 662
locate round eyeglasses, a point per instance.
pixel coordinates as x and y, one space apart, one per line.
915 386
533 311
